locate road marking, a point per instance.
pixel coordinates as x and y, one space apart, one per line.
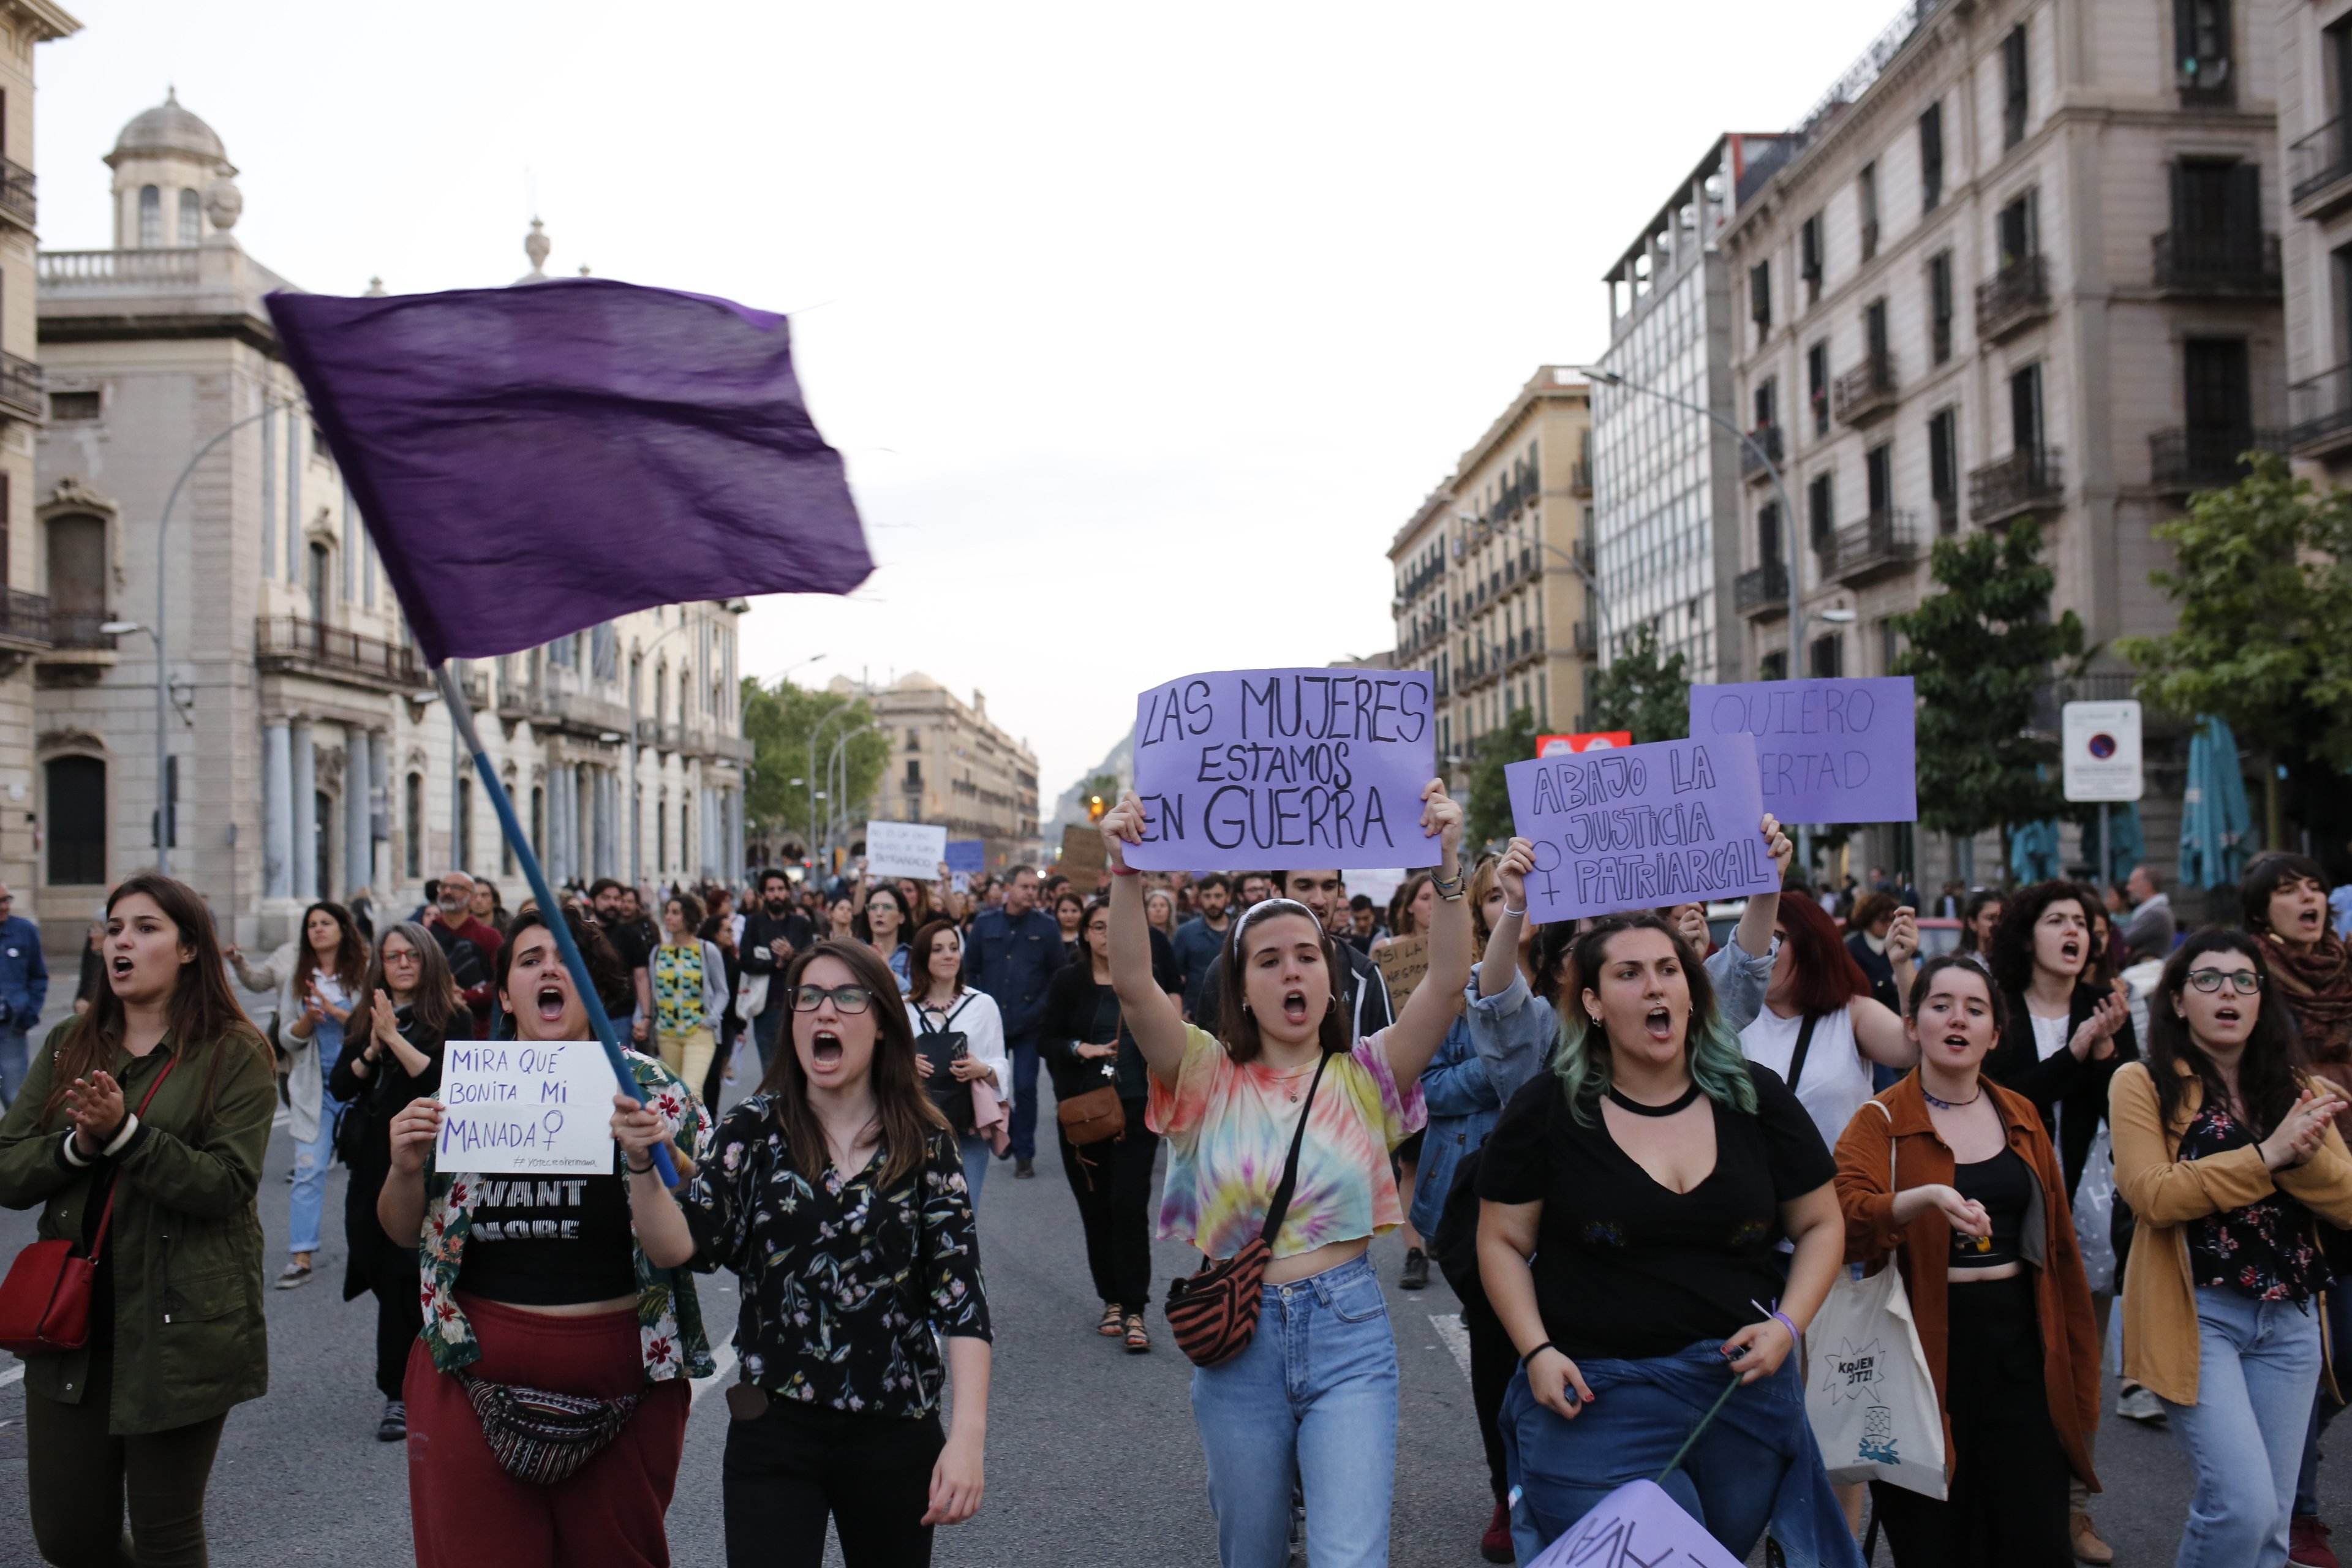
1458 1338
725 1358
13 1374
281 1119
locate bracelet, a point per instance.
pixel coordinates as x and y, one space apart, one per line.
1796 1339
1535 1352
1125 872
1448 888
637 1170
1511 914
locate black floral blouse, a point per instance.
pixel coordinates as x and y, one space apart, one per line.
848 1289
2266 1249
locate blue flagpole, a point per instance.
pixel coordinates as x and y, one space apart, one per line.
461 713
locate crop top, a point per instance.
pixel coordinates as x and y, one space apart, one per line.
2004 1186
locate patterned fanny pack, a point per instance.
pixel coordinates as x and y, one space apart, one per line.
543 1437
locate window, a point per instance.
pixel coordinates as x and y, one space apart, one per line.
163 824
1767 534
1943 467
1825 657
1866 198
413 821
2201 48
1820 517
914 773
506 845
76 547
605 652
2025 423
77 824
2012 87
2216 400
1768 402
191 219
1874 337
537 823
321 576
1773 666
1931 158
2017 232
661 834
1817 385
69 406
151 218
2216 210
462 835
1878 467
1939 305
1808 257
1759 298
1890 645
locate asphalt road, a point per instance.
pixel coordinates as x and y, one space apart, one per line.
1092 1458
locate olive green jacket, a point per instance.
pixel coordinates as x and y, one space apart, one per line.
189 1337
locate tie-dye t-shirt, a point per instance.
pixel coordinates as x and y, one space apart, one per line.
1228 1128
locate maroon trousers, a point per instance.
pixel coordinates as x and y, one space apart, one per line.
466 1511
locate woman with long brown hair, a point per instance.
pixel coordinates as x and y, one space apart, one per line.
837 1196
322 990
412 1003
110 1133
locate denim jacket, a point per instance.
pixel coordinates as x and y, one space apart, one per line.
1515 1029
1463 1109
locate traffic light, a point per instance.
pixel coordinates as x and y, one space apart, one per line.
1096 806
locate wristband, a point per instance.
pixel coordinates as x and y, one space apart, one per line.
637 1170
1125 871
1796 1339
1535 1352
1511 914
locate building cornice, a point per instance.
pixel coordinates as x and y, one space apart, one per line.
50 22
175 327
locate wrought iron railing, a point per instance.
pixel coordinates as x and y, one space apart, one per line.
2028 478
2013 297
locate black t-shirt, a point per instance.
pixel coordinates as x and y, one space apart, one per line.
1622 1267
550 1241
628 940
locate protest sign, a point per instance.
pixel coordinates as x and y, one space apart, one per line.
537 1106
905 849
968 856
1590 741
1826 751
1636 1526
1403 963
1083 860
1284 770
1639 826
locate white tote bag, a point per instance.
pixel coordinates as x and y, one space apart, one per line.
751 996
1867 1391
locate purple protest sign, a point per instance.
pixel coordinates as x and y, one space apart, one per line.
1640 826
1283 769
968 856
1636 1526
1827 751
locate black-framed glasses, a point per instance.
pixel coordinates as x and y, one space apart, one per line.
2211 979
846 998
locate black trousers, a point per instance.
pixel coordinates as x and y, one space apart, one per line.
399 1317
786 1470
77 1476
1112 1181
1494 1361
2008 1503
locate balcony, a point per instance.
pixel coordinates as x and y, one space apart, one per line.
1580 478
1763 591
2217 264
1865 392
2206 459
22 393
1588 639
2013 299
25 621
1752 464
1883 541
2320 412
16 202
2319 170
289 645
2026 480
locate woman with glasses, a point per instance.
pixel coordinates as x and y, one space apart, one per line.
882 925
2226 1149
837 1196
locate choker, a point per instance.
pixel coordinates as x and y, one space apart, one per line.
1638 1109
1949 1104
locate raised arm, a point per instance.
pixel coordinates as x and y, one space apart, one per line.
1880 1034
1500 963
1754 934
1415 1038
1152 1016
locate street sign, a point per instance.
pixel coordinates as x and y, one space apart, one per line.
2100 743
1570 745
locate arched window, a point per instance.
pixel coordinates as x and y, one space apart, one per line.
77 827
412 819
151 218
192 218
77 552
322 574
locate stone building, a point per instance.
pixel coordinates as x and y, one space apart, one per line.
304 752
2016 264
2313 39
952 766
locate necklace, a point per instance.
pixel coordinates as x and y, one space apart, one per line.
1638 1109
1949 1104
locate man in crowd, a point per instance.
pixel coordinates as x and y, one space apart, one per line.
24 988
1257 888
1364 922
635 1003
773 934
471 946
1363 994
1011 953
1196 942
2150 928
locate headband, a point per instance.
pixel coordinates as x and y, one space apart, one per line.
1273 906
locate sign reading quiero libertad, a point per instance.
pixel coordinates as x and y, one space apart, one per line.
1827 751
1285 768
1641 827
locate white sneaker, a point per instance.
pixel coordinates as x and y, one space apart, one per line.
2136 1403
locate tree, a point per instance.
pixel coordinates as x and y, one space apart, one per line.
779 720
1981 651
1489 811
1098 794
2265 638
1640 693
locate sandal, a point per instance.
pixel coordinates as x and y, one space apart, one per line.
1138 1340
1110 1326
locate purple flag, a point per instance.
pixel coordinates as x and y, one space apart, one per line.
536 459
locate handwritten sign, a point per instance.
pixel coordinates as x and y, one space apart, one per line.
1636 1526
1083 861
513 1106
1285 768
968 856
1403 963
905 849
1642 827
1827 751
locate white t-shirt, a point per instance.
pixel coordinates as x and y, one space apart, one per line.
2049 1038
1837 1074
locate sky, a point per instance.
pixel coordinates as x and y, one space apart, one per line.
1141 330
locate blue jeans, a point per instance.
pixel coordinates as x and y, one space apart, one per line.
1312 1400
768 1024
1023 1114
976 1156
13 1063
2324 1410
2257 1364
307 1202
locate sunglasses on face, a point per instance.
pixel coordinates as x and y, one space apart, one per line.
846 998
2210 980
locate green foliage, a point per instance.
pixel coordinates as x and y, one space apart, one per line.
1641 693
1979 651
2265 638
779 720
1489 808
